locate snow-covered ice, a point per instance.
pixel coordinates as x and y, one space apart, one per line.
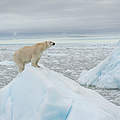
104 75
7 63
42 94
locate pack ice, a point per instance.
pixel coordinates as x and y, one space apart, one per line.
106 74
42 94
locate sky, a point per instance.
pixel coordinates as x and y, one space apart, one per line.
59 16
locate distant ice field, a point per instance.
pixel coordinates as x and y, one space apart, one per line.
67 58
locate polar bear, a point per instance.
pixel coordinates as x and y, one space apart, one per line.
30 54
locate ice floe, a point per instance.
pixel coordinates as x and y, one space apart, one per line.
7 63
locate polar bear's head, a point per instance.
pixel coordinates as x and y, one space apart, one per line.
50 43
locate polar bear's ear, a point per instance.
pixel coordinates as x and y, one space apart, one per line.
47 44
47 41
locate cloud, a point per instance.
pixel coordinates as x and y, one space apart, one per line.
53 16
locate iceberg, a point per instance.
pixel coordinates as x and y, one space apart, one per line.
42 94
104 75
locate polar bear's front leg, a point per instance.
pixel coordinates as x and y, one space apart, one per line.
21 67
35 61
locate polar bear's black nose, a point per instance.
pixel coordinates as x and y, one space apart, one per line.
53 43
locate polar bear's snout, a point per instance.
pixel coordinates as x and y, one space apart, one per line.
53 43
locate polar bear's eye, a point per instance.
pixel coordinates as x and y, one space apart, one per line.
51 42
